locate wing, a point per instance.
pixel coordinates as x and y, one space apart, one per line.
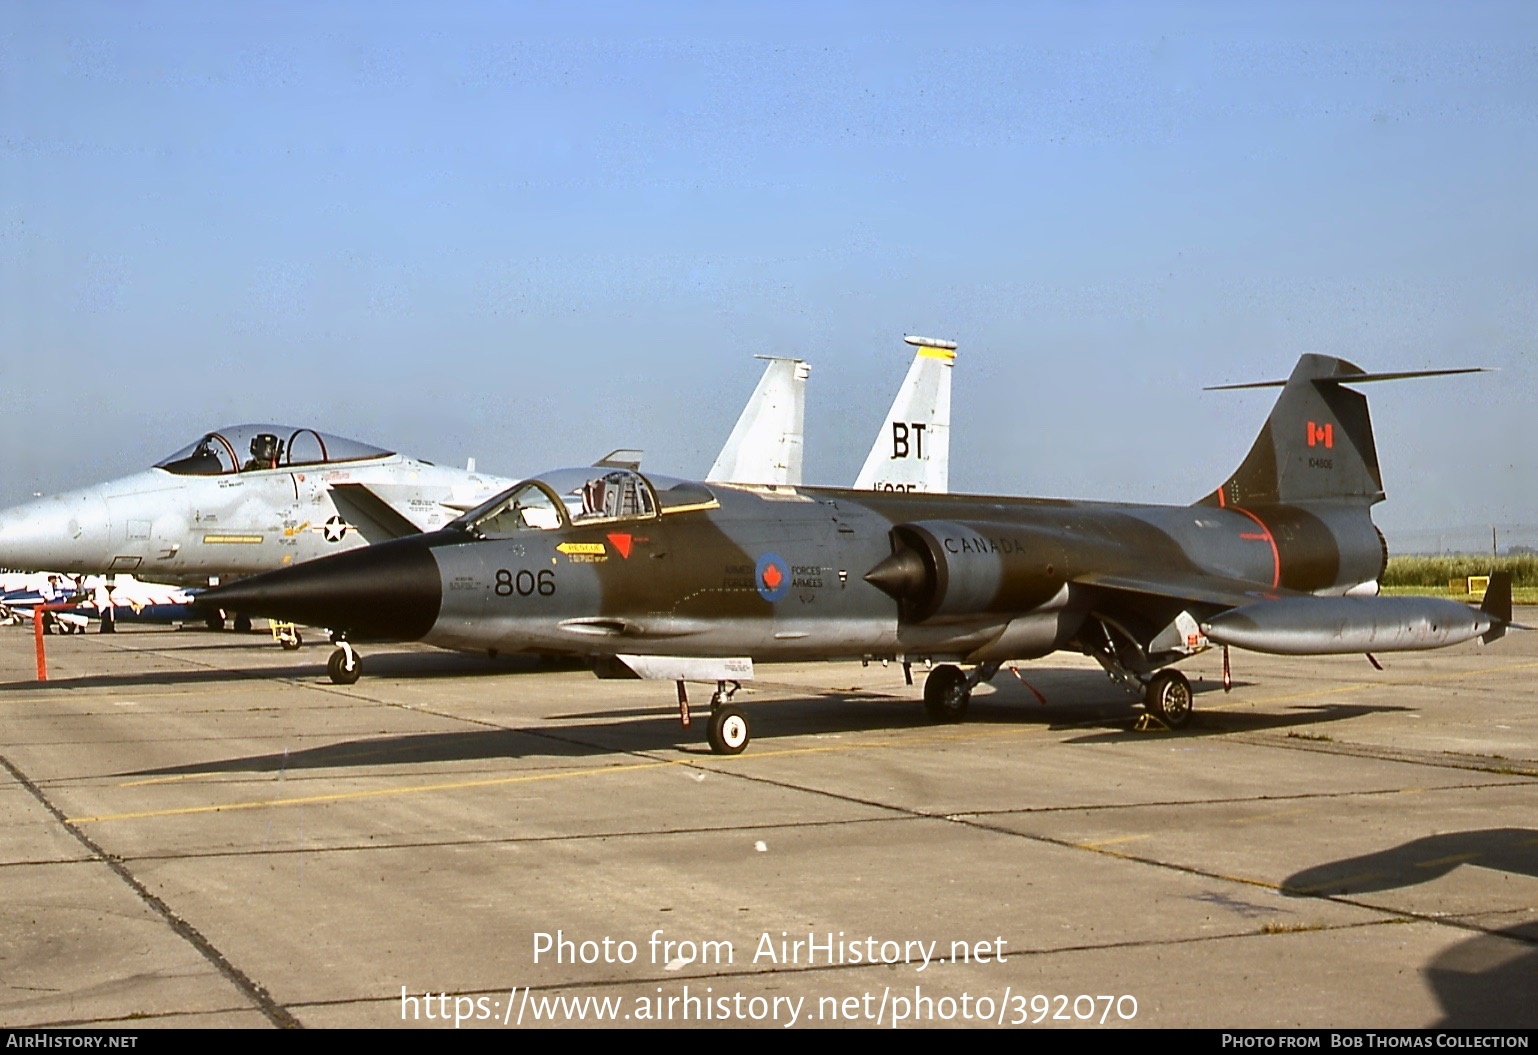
1212 590
373 518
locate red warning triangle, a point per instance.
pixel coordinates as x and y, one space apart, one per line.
621 543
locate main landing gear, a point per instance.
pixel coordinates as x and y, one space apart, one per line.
1168 698
345 666
948 690
1165 693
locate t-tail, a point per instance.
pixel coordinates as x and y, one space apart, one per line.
1317 445
913 448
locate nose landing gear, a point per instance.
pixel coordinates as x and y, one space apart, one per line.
345 666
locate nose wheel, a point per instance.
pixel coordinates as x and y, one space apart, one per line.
728 731
345 666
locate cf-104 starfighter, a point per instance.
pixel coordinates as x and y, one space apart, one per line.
691 581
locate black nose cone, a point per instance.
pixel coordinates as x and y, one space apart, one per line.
390 592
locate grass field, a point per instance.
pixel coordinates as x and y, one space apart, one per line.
1432 575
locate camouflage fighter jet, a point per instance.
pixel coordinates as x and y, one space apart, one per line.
251 498
693 581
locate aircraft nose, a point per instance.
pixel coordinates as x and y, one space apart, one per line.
391 591
66 532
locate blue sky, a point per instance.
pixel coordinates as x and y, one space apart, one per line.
532 233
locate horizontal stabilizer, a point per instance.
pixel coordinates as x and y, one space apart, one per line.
1317 445
1347 377
371 516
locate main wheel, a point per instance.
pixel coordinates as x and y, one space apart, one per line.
242 624
728 731
336 666
1168 698
215 621
291 642
946 694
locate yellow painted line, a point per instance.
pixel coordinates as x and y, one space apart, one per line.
1454 859
1100 843
244 540
980 732
168 780
1352 686
347 796
1269 816
81 696
1342 883
336 759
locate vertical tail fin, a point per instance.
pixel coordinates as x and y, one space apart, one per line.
1317 445
765 445
913 449
1497 605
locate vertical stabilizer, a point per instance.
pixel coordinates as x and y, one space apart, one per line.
1497 605
765 446
913 448
1317 445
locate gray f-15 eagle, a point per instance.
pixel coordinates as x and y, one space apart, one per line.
237 501
685 580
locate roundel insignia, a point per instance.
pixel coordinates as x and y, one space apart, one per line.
334 529
772 576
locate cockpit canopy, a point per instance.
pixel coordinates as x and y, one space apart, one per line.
249 448
576 497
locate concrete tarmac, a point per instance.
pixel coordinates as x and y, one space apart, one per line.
199 829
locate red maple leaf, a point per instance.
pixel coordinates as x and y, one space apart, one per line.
772 577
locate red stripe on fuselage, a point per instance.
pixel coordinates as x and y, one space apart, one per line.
1276 558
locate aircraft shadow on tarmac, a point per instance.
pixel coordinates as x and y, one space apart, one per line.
1082 701
1484 982
1511 850
403 665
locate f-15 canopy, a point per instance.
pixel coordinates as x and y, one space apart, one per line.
249 448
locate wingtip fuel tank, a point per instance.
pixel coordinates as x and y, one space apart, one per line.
1311 626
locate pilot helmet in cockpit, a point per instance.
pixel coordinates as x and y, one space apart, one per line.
265 449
